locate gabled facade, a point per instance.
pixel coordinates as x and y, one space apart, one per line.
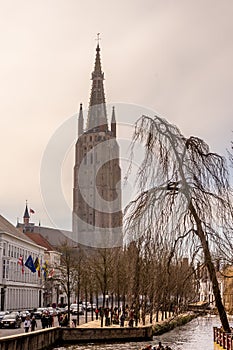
52 291
51 240
20 288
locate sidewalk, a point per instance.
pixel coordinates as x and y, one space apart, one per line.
96 324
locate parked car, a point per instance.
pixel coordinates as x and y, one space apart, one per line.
3 313
23 314
94 306
39 311
14 312
89 306
61 310
72 306
80 310
76 308
12 320
52 311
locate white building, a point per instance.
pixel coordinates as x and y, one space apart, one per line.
20 288
52 290
50 239
205 287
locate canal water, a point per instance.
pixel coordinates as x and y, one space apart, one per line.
195 335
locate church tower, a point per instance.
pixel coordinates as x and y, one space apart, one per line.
97 214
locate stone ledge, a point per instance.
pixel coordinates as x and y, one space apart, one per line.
49 338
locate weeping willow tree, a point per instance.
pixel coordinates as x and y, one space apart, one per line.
184 197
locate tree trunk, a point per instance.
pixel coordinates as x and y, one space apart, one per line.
211 269
157 315
78 297
86 304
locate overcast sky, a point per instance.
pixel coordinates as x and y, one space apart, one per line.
172 57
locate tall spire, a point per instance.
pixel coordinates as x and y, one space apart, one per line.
26 215
80 120
97 69
113 122
97 115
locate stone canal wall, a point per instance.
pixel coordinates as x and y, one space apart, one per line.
38 340
48 338
106 334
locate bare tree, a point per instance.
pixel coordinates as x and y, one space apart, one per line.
119 280
67 271
184 196
102 264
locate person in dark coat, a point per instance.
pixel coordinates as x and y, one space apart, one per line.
33 323
122 320
50 320
44 321
160 347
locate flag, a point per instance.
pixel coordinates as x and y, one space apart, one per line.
45 268
20 262
32 211
51 273
29 263
37 266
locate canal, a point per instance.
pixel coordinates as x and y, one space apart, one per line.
196 335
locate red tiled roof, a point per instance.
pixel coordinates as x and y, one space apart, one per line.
39 239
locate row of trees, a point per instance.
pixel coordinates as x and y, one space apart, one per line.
183 209
137 276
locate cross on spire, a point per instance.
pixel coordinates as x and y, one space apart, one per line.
98 38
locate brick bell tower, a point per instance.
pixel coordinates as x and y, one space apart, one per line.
97 212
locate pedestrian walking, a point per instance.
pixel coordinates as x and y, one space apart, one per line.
60 320
50 321
96 313
44 321
33 324
160 347
27 324
122 320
